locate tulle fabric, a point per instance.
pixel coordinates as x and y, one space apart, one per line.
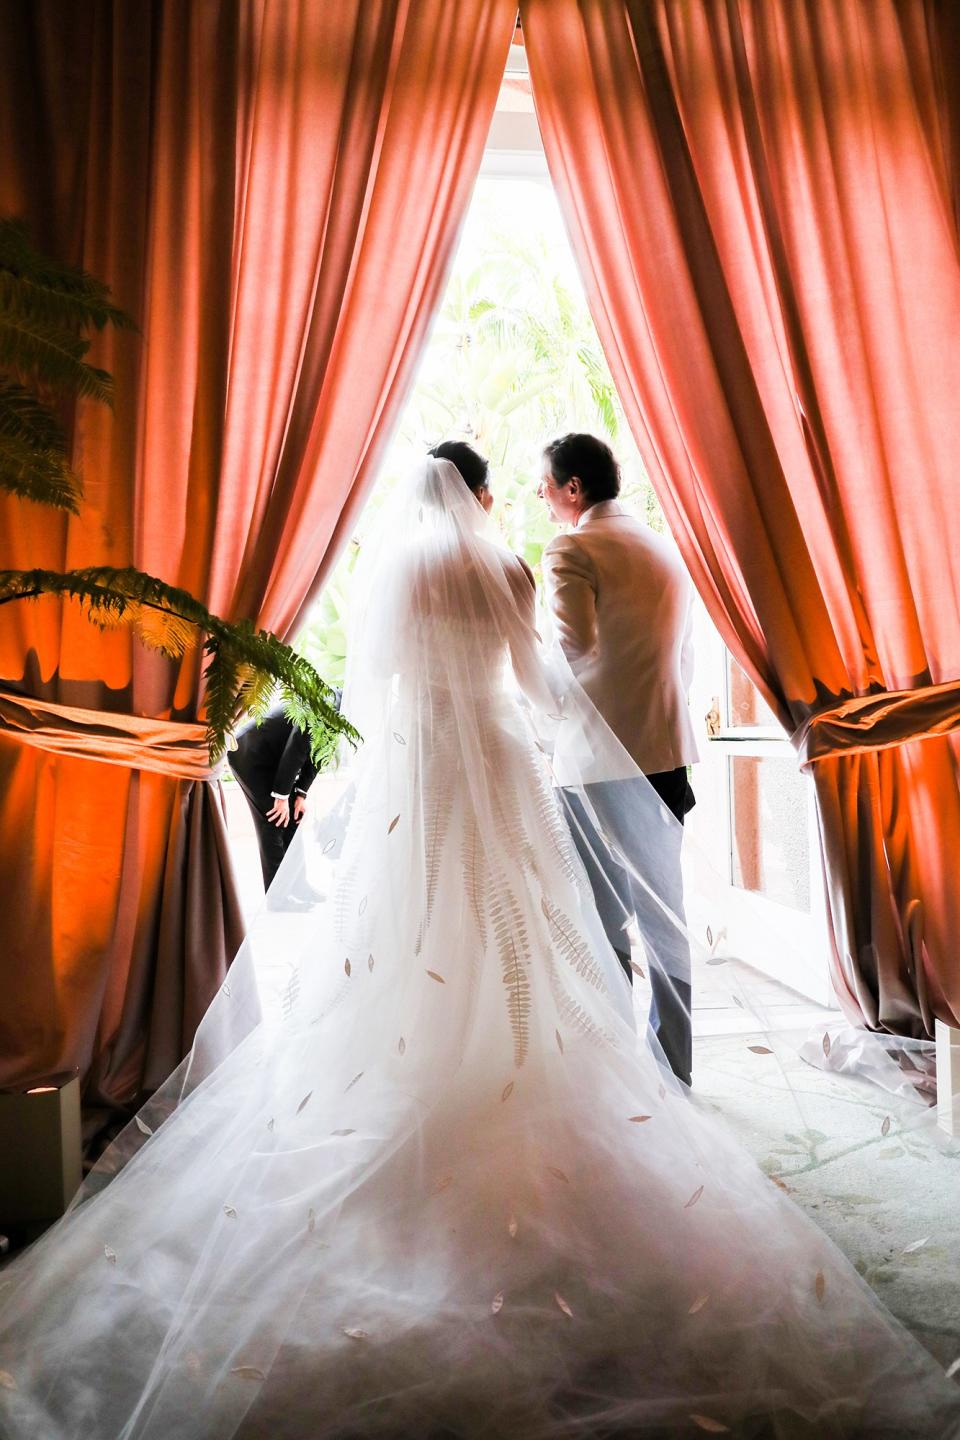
420 1175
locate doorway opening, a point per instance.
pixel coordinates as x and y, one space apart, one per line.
513 360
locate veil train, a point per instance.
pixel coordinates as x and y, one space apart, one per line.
419 1175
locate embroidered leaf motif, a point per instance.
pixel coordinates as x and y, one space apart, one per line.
248 1372
717 960
475 878
559 1174
304 1101
637 969
329 846
826 1043
362 906
110 1253
434 976
512 1227
356 1334
563 1304
559 1041
354 1081
916 1245
402 1047
760 1049
370 962
572 1013
393 824
496 1304
230 1212
639 1119
698 1304
778 1182
820 1285
346 967
513 949
311 1220
399 738
885 1127
571 945
438 810
225 988
507 1091
343 1132
551 825
142 1126
709 935
290 995
270 1123
694 1198
442 1184
713 1427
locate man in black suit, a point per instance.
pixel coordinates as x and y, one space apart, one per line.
273 768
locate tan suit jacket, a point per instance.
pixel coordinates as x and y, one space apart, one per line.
621 604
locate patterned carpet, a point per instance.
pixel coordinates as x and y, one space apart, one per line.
871 1170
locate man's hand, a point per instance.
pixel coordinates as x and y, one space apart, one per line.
279 812
299 809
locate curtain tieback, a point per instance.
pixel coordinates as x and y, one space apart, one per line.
167 747
878 722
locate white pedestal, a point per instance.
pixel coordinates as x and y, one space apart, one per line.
40 1149
948 1079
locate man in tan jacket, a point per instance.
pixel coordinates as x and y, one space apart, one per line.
621 603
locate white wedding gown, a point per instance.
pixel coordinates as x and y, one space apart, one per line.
436 1185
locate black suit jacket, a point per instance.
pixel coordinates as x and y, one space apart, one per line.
272 758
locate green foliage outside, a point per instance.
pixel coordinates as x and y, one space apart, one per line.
513 361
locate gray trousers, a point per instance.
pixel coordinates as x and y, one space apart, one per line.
615 891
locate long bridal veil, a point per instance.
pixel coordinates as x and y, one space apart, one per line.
419 1174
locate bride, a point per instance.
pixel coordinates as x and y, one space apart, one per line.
419 1176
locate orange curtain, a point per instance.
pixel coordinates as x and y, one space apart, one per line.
272 188
762 196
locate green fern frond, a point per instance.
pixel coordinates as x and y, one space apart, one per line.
257 689
39 474
24 417
162 629
62 294
53 355
45 308
244 666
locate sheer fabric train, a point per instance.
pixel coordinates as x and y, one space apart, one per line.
420 1175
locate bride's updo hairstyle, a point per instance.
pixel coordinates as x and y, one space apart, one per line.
473 468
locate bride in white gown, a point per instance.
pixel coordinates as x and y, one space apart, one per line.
419 1176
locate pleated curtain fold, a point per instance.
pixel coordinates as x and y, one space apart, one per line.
762 196
273 189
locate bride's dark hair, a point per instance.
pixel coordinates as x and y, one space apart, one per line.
472 466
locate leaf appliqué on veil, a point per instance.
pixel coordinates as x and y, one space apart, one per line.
513 948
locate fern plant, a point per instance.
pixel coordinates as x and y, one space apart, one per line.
46 310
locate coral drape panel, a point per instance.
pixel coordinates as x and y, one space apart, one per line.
273 189
762 197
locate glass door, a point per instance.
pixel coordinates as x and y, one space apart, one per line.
755 822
